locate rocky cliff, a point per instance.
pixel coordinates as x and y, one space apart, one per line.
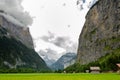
20 33
101 32
16 47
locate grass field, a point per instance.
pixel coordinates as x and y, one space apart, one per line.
53 76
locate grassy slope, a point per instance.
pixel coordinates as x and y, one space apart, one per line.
60 76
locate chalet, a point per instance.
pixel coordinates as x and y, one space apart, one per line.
95 69
118 67
87 71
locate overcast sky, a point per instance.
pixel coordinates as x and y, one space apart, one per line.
56 24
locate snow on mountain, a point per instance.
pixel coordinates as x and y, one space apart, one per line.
50 56
64 61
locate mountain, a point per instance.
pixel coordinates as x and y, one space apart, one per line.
49 56
64 61
16 46
99 41
100 36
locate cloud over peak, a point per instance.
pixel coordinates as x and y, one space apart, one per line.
60 41
14 9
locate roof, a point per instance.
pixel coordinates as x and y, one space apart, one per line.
94 68
118 65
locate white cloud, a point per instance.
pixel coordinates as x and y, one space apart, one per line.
13 8
43 45
64 21
50 56
60 41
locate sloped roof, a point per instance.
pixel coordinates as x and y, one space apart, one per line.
94 68
118 65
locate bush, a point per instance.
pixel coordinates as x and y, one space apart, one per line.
106 63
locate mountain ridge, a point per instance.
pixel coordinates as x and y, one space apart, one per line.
100 34
16 48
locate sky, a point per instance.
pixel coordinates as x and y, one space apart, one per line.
62 17
15 12
56 25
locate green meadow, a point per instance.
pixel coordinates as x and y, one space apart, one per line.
62 76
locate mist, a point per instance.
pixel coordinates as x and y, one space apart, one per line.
61 41
13 8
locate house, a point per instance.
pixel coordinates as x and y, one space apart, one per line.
95 69
87 71
118 67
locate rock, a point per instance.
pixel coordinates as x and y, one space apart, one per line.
20 33
101 31
64 61
16 48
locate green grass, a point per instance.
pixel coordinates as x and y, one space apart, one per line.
107 76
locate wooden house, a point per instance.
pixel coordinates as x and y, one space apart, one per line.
118 67
95 69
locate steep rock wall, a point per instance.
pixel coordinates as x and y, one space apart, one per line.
20 33
101 31
16 48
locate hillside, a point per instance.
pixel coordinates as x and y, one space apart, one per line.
101 31
16 48
99 41
64 61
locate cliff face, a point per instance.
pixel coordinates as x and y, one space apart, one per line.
20 33
16 48
101 31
